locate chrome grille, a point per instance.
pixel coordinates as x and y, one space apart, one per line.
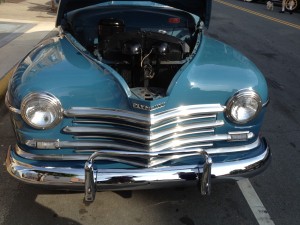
182 128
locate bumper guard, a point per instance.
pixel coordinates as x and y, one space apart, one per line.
204 181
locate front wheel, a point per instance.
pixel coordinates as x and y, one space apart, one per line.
291 5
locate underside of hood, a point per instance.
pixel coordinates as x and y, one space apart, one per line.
201 8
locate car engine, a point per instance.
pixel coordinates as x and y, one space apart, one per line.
147 60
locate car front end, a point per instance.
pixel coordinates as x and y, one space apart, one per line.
115 103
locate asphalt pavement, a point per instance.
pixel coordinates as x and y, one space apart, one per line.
270 39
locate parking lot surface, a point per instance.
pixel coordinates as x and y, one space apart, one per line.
271 41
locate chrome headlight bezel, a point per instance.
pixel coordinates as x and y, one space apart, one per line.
42 100
243 96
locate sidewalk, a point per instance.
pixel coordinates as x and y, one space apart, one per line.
23 23
36 10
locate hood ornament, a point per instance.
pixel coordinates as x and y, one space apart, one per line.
148 108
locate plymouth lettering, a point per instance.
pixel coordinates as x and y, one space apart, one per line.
148 108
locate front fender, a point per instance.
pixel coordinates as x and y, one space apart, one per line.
57 67
214 75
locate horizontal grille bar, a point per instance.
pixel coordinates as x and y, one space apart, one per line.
115 145
149 138
150 128
126 157
115 129
144 119
140 139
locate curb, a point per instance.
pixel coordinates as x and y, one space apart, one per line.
3 88
4 82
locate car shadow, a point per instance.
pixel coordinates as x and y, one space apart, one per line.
25 210
165 206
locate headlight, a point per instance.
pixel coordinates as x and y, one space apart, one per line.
243 107
41 110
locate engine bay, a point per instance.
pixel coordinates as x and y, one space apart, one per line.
145 46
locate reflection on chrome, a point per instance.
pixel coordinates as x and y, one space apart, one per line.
9 106
139 178
138 158
90 174
147 119
133 138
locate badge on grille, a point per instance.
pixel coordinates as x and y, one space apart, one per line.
148 108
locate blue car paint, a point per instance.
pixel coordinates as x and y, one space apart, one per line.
202 81
72 78
215 74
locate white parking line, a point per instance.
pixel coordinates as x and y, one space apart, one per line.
257 207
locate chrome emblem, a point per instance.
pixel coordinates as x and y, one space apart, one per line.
148 108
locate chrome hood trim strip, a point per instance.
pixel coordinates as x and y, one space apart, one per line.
9 106
266 103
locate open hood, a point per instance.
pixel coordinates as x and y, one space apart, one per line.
201 8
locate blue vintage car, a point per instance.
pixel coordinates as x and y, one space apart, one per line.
132 95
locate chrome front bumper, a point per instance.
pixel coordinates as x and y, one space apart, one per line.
132 179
